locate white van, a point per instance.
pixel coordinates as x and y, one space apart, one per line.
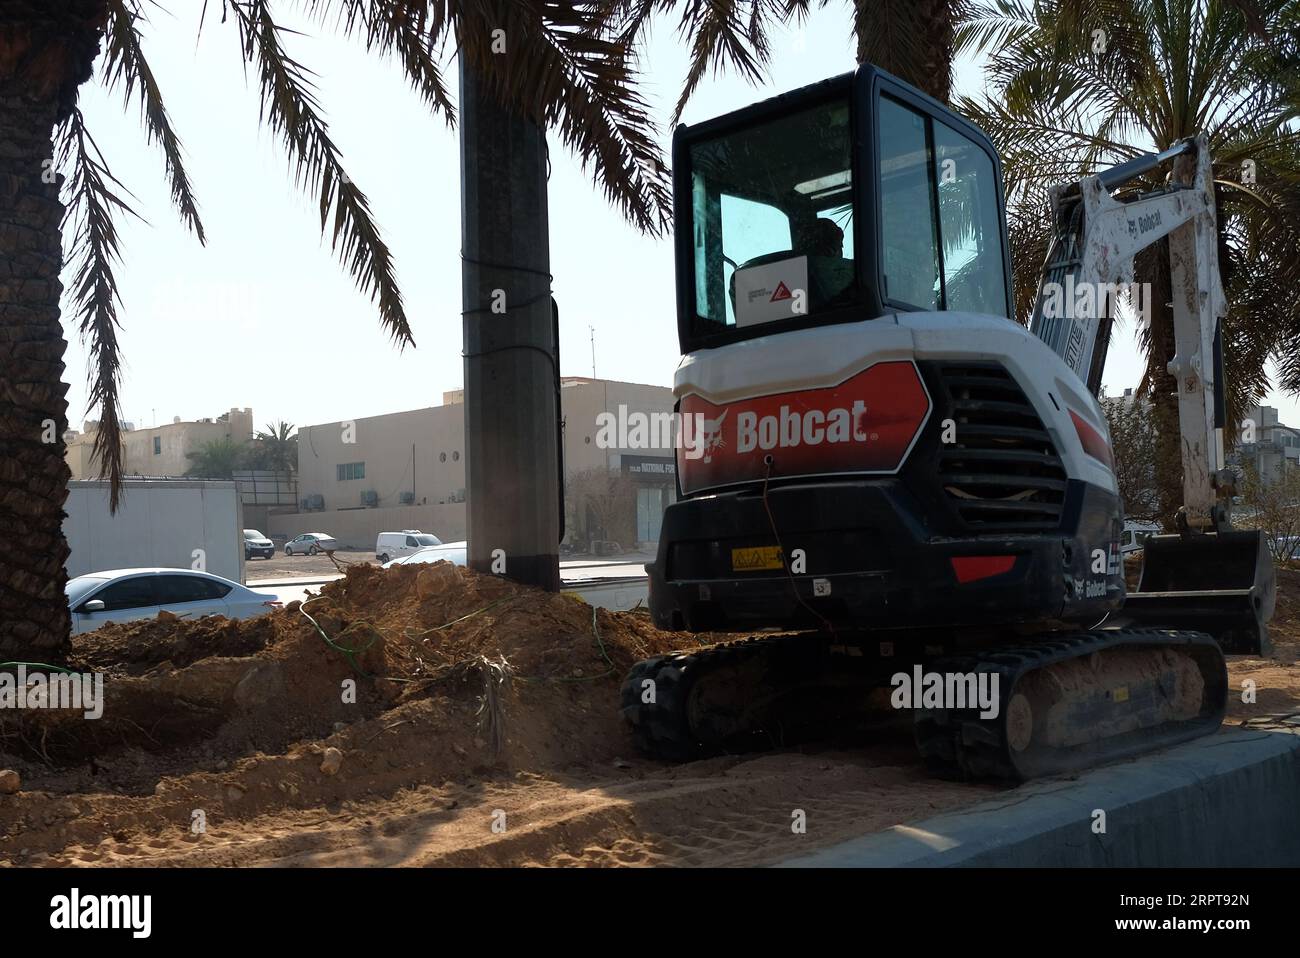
393 545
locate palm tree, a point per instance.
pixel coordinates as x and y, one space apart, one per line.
913 39
216 459
1079 85
279 447
571 74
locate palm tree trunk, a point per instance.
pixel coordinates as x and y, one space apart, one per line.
34 620
912 39
511 354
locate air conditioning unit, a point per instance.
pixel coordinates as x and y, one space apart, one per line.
370 498
407 498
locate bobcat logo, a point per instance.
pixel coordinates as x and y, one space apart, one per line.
712 433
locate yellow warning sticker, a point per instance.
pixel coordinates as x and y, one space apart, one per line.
1121 694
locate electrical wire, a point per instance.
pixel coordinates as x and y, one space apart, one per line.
768 461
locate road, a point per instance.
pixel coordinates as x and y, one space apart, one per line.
615 585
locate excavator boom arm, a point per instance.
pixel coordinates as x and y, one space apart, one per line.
1091 262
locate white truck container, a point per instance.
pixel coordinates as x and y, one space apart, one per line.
179 524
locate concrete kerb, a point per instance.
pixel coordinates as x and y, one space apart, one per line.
1229 799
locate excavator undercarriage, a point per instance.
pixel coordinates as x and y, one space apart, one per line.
1044 706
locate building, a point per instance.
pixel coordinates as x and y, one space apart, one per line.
160 451
406 470
1267 445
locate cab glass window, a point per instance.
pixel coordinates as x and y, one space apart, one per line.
909 249
941 230
973 277
772 220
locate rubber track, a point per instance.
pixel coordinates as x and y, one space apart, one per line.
662 729
959 744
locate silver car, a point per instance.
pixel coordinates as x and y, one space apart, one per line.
310 543
125 595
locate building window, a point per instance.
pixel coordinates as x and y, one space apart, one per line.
351 470
157 445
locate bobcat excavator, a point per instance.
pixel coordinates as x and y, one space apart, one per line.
897 482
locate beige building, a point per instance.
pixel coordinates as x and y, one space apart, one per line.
406 470
1269 446
162 450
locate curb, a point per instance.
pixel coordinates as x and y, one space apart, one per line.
1229 799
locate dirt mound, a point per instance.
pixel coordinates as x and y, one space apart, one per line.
502 675
431 691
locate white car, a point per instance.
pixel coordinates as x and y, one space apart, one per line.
394 545
124 595
1135 535
453 552
310 543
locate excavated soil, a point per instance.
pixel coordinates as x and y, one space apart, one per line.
432 715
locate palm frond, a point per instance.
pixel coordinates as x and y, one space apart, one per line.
126 66
408 30
721 38
290 108
993 25
563 68
90 233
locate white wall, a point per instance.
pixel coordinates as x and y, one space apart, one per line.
157 524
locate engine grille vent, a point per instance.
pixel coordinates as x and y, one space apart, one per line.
1002 472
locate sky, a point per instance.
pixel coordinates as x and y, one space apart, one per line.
265 317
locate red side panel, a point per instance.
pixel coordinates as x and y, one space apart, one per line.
865 424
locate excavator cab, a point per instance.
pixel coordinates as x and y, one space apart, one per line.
788 228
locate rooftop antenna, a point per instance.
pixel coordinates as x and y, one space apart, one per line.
593 351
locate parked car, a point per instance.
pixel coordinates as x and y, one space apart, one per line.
256 544
124 595
394 545
310 543
453 552
1135 535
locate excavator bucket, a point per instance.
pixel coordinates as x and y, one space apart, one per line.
1221 583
